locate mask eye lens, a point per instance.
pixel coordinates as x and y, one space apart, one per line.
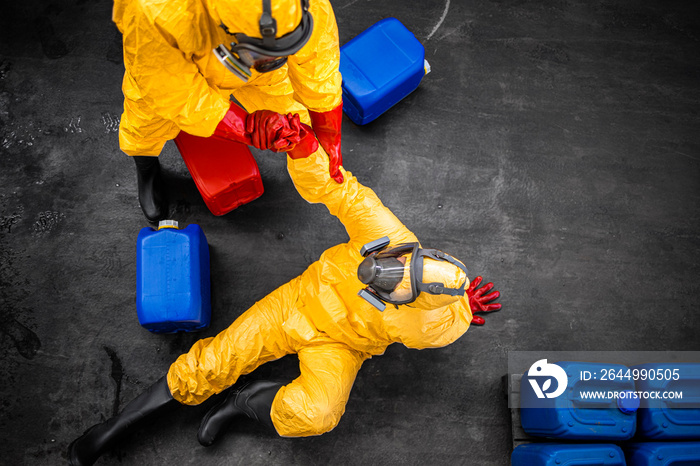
262 63
246 56
271 64
388 274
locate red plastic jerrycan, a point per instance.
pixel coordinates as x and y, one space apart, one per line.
224 171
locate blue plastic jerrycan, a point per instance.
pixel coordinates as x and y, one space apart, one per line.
663 454
674 410
380 66
172 278
560 454
574 412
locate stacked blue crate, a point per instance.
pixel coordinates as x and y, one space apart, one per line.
663 454
669 418
559 454
572 415
672 413
554 404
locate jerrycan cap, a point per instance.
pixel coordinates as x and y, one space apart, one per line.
629 403
168 224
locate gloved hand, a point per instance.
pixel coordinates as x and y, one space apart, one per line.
263 129
307 144
327 126
479 301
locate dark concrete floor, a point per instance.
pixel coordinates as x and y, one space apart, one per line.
555 148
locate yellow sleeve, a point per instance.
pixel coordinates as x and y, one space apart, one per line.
433 328
160 40
358 208
314 70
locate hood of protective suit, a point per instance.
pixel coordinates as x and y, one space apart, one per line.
244 15
434 271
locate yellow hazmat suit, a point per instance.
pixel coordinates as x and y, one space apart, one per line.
320 317
173 80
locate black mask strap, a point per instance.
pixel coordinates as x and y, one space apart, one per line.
268 25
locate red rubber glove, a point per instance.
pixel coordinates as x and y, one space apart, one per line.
327 128
478 301
264 129
307 144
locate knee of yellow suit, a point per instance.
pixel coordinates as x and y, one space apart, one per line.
296 418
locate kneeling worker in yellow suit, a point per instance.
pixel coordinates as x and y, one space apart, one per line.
357 299
185 59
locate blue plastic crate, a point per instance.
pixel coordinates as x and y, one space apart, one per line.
380 66
663 454
560 454
667 419
172 278
571 415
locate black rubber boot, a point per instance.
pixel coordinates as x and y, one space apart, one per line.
253 399
151 193
100 438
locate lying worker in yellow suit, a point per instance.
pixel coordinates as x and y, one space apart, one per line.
185 59
320 317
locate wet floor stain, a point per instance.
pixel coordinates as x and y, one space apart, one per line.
47 222
110 122
74 125
26 342
13 285
5 67
19 137
10 220
51 45
117 375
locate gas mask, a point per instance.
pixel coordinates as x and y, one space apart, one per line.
268 53
399 275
